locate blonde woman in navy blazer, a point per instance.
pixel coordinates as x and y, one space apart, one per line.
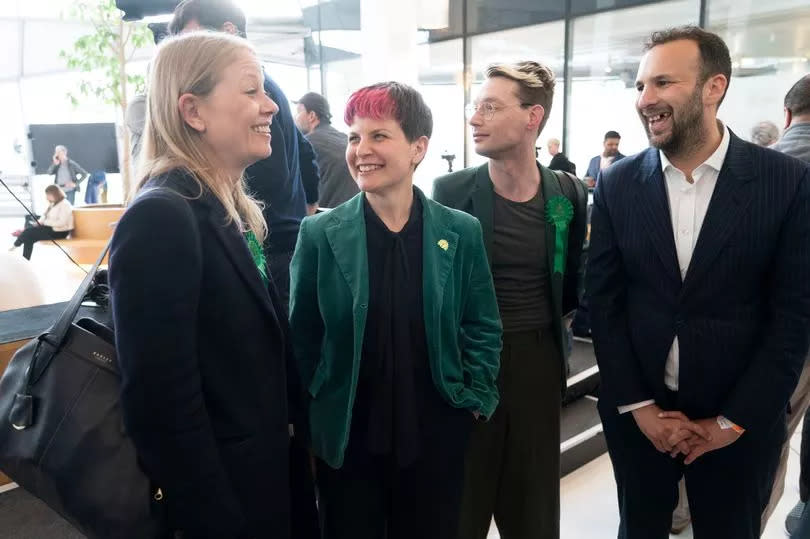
200 333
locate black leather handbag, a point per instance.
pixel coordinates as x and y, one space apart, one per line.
62 435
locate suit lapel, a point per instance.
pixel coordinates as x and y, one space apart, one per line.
439 245
346 235
653 204
731 197
237 250
482 206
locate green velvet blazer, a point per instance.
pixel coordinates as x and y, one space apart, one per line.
329 303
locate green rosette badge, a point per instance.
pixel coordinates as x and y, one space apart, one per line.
559 212
257 253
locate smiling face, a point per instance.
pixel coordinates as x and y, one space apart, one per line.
671 102
234 119
379 155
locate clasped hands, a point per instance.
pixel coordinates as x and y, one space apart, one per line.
674 433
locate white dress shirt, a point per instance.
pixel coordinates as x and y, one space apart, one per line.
688 204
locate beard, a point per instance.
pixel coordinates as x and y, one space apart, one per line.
686 133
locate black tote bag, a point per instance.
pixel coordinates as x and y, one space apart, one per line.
62 435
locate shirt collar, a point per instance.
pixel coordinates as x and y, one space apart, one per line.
714 161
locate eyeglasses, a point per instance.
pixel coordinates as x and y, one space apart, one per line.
488 110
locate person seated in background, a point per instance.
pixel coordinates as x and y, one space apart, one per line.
765 134
55 224
396 333
200 332
67 173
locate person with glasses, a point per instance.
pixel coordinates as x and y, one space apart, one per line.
534 227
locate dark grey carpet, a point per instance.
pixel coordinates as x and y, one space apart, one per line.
24 517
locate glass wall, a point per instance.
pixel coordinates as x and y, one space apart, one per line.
491 15
441 68
770 51
544 43
603 63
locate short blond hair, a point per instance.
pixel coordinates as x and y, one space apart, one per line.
535 84
193 64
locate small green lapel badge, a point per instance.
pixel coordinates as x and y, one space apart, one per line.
560 212
443 244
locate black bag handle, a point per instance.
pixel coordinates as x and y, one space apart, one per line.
49 342
58 331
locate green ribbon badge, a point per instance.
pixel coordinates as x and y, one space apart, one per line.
257 253
559 212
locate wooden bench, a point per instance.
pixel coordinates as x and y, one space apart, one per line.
92 228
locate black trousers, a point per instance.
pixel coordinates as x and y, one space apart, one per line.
513 462
728 489
31 235
371 497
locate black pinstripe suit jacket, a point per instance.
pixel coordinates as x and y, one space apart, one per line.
741 314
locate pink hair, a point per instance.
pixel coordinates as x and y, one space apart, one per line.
373 102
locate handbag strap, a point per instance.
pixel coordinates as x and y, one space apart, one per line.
56 334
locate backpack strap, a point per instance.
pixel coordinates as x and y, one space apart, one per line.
573 188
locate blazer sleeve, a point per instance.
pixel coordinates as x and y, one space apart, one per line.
766 386
593 168
574 267
310 175
156 267
606 289
481 329
75 170
438 193
306 324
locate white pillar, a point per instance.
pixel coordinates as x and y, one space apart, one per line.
389 41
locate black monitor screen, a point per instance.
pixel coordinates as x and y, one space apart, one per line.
92 146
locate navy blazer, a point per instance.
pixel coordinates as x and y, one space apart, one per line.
596 162
287 180
202 354
742 313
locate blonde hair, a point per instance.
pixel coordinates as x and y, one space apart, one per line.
535 84
193 64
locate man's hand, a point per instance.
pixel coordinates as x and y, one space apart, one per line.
56 160
669 434
312 209
719 438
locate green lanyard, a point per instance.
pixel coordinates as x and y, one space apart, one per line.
257 253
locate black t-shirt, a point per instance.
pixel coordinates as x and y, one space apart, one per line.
519 263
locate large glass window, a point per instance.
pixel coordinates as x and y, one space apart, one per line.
770 50
606 51
489 15
441 69
582 7
542 43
